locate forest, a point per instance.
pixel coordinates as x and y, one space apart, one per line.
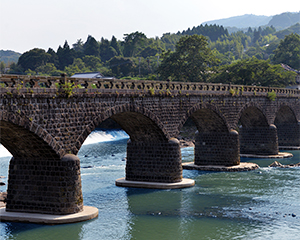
206 53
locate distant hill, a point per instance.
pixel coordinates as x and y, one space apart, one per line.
284 20
244 21
292 29
280 21
8 56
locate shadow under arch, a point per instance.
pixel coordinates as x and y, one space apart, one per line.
139 123
207 118
151 155
24 133
215 144
257 136
39 179
288 127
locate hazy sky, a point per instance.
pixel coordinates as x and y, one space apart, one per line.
26 24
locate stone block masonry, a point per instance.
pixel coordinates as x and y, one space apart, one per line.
259 140
44 128
154 162
217 149
50 186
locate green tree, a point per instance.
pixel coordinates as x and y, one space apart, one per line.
46 69
33 59
92 62
254 72
54 58
91 47
2 67
65 55
288 51
106 50
190 61
115 45
133 43
121 66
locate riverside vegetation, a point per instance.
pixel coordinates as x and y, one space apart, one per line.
206 53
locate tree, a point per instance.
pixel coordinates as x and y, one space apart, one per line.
189 62
115 44
92 62
106 50
33 59
254 72
65 55
2 67
54 58
288 51
91 47
133 43
121 66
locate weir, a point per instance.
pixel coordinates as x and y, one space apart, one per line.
44 124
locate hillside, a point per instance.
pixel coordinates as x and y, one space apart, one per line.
284 20
8 56
244 21
280 21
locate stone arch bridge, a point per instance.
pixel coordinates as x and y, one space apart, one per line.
45 120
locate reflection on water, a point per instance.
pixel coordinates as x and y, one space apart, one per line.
261 204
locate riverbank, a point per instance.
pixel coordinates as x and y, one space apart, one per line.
3 196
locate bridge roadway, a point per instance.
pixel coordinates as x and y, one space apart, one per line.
45 120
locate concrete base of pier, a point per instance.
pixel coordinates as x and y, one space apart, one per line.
122 182
288 148
87 214
279 155
244 166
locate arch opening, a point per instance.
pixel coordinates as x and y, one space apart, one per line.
256 135
214 144
288 128
151 156
39 180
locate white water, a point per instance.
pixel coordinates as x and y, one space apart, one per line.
105 136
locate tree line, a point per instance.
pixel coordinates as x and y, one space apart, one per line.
205 53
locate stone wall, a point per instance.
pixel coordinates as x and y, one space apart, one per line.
217 149
259 140
50 186
154 162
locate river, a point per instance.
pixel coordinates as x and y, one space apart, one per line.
260 204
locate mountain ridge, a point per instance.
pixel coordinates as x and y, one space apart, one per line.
279 21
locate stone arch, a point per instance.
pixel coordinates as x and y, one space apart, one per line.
42 178
207 118
285 114
24 138
139 123
252 115
288 127
256 134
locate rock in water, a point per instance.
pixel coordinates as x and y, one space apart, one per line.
275 164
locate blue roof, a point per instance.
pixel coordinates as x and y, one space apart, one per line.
88 75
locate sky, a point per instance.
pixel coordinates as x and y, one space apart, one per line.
28 24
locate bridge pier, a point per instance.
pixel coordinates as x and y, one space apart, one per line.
154 165
289 134
217 148
46 186
259 140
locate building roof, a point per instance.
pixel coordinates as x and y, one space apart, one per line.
88 75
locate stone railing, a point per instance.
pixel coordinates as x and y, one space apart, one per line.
42 84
